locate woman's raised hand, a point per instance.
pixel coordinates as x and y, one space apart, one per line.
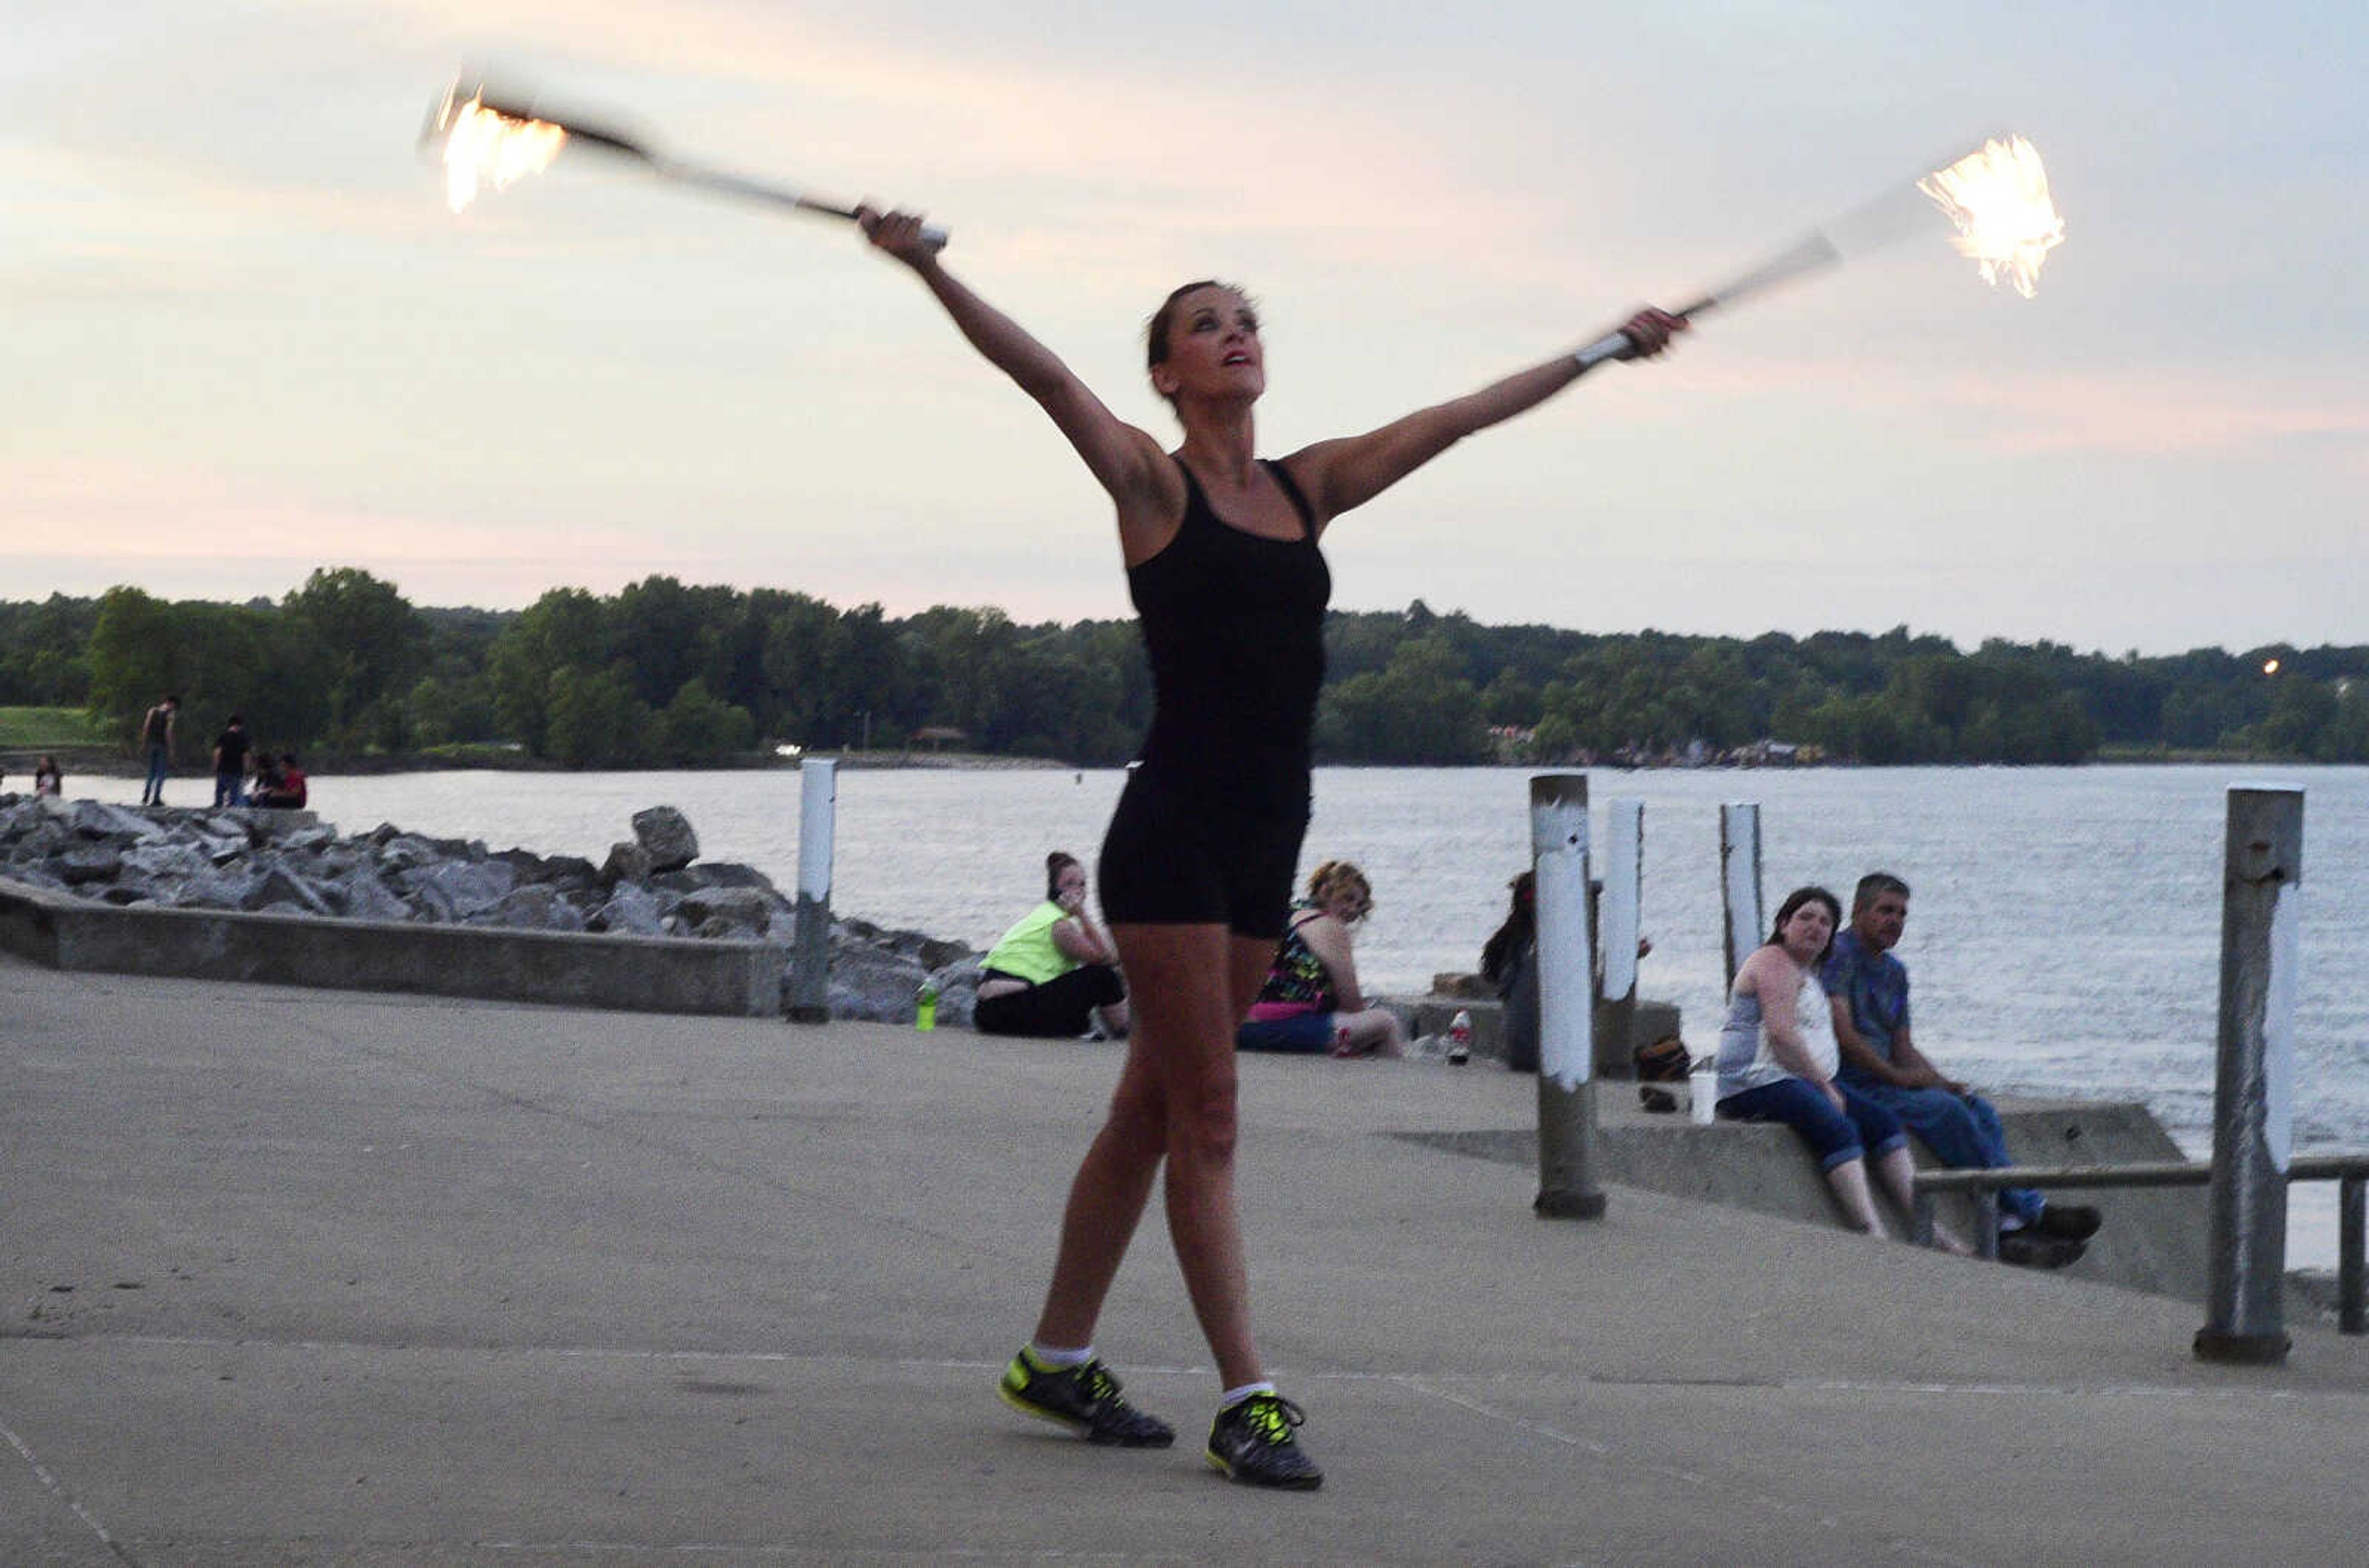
1652 330
899 234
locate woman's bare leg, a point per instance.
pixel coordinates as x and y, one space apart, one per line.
1374 1032
1175 1101
1898 1173
1849 1181
1106 1203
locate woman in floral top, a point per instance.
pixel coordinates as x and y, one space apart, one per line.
1310 1002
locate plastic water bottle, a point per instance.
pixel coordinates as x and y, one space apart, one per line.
1459 1036
925 1006
1703 1090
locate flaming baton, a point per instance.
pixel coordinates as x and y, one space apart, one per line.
1996 196
487 139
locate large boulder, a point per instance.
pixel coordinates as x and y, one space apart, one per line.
667 834
366 898
96 819
38 842
874 984
403 852
89 864
162 860
280 889
626 864
456 890
216 889
537 906
631 911
714 874
745 908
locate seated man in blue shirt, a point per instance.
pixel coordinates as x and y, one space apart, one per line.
1868 989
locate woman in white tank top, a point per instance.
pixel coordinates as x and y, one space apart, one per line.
1777 1062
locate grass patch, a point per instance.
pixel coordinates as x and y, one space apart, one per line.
43 729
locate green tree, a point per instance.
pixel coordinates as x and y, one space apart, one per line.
595 719
566 630
807 650
371 645
1420 709
698 726
135 657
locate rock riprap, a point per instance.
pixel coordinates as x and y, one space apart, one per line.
290 864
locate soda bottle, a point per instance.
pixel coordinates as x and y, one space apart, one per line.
925 1006
1459 1036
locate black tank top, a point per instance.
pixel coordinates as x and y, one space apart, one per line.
1234 624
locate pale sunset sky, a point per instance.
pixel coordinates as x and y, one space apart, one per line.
246 337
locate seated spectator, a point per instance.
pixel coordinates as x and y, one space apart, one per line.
1867 987
47 780
1310 1002
1509 962
1055 973
1777 1059
281 786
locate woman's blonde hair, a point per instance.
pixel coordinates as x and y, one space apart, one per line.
1340 876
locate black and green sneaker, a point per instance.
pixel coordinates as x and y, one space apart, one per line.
1252 1442
1084 1398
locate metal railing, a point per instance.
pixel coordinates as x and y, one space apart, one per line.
2350 1171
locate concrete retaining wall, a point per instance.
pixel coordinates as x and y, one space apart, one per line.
2154 1239
574 970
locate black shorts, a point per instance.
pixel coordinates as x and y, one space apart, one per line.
1173 859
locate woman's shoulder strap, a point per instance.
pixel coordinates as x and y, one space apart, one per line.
1291 489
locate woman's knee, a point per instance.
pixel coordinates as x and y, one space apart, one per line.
1201 1121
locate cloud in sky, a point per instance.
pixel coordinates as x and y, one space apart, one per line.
249 340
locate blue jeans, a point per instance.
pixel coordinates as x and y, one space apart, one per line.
1963 1131
1303 1034
1861 1129
159 765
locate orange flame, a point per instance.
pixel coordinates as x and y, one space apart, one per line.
484 146
1998 199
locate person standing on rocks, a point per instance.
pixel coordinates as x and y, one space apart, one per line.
156 736
1223 563
230 762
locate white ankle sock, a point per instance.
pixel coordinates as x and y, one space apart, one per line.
1055 1359
1233 1397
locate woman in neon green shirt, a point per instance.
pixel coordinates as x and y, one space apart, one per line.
1055 973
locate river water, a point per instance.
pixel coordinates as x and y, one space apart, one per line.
2063 934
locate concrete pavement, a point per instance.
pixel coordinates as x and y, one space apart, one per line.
294 1276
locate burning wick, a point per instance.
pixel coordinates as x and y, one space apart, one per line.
484 146
1999 197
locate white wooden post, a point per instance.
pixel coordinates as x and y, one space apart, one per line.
1739 882
2253 1090
1567 1185
810 962
1618 924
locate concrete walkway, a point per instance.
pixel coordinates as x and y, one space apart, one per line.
317 1278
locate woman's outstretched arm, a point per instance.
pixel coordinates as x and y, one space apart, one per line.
1347 473
1127 460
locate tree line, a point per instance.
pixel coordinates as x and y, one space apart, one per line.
661 673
